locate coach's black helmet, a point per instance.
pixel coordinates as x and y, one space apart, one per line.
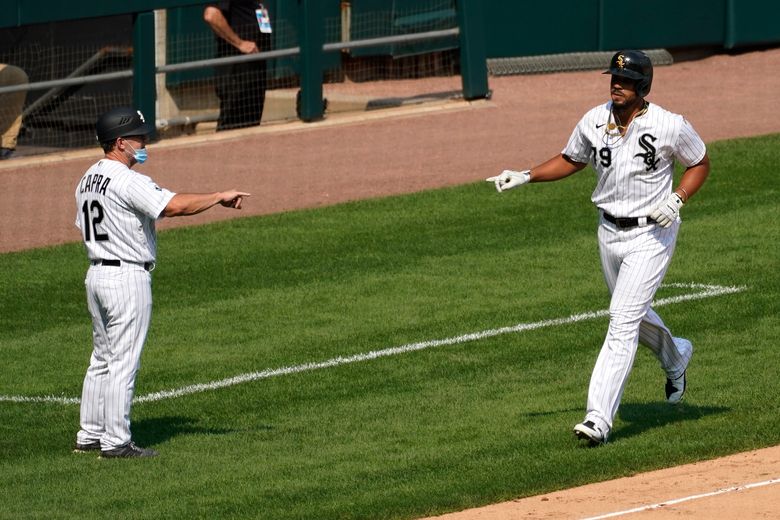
633 65
121 122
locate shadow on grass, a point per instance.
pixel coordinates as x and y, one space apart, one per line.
641 417
159 429
637 418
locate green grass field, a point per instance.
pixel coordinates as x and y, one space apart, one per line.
406 435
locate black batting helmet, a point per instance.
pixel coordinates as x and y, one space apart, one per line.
633 65
121 122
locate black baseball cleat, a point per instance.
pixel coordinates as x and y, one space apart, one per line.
129 450
675 389
85 448
588 431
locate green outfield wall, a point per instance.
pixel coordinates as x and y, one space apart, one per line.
512 28
533 28
487 29
518 28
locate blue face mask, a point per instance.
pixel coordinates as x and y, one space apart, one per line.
140 156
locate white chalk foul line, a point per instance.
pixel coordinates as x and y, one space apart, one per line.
685 499
702 291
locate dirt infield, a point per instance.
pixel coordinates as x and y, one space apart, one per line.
407 149
744 486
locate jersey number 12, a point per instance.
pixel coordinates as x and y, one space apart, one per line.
95 211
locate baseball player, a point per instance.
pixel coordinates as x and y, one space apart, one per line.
116 210
632 144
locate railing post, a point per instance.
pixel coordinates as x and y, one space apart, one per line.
473 57
311 33
144 92
731 25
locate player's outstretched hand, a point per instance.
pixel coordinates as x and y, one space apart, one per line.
232 198
667 211
510 179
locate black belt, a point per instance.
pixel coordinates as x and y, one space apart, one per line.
116 263
627 222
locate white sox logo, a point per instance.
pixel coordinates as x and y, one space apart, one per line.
649 155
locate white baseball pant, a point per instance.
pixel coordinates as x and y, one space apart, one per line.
120 302
634 262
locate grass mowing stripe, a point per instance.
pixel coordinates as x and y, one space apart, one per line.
707 291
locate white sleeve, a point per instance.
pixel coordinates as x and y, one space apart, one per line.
147 197
578 148
690 149
78 213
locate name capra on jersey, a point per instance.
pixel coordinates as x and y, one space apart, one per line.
634 171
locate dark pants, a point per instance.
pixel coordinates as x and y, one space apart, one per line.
241 93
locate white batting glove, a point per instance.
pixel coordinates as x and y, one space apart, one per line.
510 179
667 211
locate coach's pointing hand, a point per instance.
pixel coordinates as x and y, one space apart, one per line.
232 198
192 203
510 179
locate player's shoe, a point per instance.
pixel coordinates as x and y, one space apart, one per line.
588 431
87 447
675 388
129 450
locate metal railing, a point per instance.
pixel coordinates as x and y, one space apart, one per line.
76 79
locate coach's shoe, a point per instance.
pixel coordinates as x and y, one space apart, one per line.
588 431
129 450
85 448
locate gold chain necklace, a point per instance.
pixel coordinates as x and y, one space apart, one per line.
621 129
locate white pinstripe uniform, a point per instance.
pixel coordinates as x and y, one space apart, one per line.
116 211
634 175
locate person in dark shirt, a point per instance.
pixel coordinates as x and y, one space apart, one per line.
240 27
